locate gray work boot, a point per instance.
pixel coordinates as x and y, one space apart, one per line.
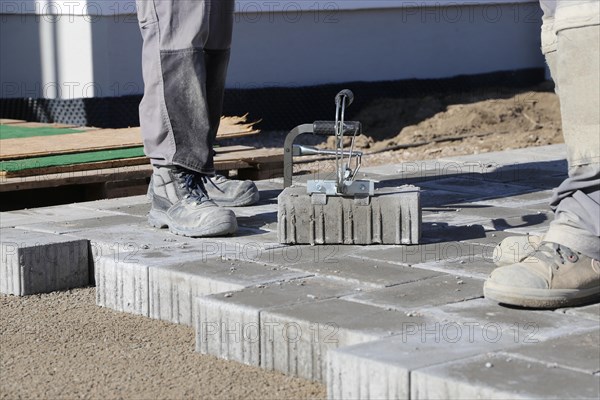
231 193
553 276
180 202
514 249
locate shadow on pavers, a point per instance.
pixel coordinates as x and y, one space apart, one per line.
500 224
534 176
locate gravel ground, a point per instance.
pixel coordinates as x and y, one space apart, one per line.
62 346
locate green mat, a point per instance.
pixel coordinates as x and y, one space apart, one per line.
70 159
18 132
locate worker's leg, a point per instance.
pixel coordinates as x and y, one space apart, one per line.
576 201
178 123
185 54
565 269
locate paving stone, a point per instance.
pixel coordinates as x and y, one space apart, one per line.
227 325
162 283
427 253
423 169
484 189
67 213
524 326
533 224
450 216
439 232
262 217
491 238
175 284
295 339
40 263
590 312
437 198
78 225
476 266
108 204
423 293
363 271
10 219
525 200
516 156
138 210
122 282
391 217
572 351
381 369
501 377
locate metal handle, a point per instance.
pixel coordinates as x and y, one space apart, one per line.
328 128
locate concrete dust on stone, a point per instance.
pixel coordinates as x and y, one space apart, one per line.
61 345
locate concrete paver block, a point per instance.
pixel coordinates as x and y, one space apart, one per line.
162 283
78 225
364 271
474 266
175 283
570 351
392 216
10 219
476 185
430 292
381 369
39 263
523 325
227 325
501 377
122 283
430 253
590 312
295 339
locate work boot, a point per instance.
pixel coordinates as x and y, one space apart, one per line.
230 193
514 249
180 202
553 276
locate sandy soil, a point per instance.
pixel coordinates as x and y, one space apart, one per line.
62 346
444 125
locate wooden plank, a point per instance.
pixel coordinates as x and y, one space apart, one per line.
125 162
254 156
99 139
224 161
70 175
38 146
40 125
230 149
75 178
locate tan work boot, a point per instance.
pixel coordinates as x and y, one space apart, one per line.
180 202
553 276
514 249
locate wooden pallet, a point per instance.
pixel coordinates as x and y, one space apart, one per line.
122 177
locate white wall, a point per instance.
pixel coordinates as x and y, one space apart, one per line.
94 50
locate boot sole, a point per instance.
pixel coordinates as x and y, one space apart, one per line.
160 220
247 199
539 298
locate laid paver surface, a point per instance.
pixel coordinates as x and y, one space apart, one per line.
371 321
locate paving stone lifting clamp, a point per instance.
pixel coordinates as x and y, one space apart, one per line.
343 210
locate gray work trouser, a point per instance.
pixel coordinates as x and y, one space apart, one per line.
573 54
185 56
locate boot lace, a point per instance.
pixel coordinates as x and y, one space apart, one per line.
193 183
556 255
